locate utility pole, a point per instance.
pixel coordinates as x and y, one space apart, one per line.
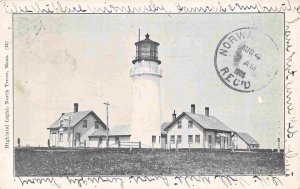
107 138
69 131
69 125
278 145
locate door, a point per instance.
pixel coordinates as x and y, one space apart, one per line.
53 140
99 142
77 139
223 142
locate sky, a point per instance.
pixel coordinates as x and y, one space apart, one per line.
62 59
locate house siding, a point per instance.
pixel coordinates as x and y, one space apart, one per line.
207 137
112 140
239 143
185 132
98 142
85 132
94 141
211 144
55 137
78 128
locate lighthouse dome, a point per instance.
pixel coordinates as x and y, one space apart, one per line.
146 50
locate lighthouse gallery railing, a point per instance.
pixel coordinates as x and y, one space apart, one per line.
146 70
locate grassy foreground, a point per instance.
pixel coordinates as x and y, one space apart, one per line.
97 162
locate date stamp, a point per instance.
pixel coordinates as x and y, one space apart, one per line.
246 59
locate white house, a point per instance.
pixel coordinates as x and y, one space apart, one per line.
84 128
196 131
244 141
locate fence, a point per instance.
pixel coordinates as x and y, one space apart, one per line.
124 144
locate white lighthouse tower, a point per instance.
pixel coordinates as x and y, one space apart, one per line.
146 74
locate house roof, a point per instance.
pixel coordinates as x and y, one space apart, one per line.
76 117
207 122
118 130
247 138
98 133
163 126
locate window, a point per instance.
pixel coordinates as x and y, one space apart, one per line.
159 139
209 139
153 138
197 138
172 139
61 122
100 140
179 139
179 124
190 139
84 124
190 124
61 137
97 124
117 139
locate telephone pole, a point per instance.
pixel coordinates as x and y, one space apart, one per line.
107 138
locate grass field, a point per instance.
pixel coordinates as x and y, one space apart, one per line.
96 162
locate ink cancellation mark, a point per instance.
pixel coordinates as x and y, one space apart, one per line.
246 60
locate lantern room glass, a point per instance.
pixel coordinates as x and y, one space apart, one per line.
146 50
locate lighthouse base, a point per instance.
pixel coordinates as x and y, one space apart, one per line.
145 120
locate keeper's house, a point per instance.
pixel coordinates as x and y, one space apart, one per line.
244 141
85 128
196 131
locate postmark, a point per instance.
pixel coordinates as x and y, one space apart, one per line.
246 59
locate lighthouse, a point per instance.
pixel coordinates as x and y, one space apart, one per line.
146 74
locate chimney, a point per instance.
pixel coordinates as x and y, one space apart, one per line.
207 111
62 114
75 107
193 108
173 116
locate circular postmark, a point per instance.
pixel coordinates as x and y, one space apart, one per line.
246 59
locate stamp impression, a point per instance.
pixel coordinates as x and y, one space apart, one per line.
246 60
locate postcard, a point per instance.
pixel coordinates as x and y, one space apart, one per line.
114 94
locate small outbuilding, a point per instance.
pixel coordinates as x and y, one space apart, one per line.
244 141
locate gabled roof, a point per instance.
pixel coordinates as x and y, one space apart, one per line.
247 138
207 122
118 130
163 126
76 117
